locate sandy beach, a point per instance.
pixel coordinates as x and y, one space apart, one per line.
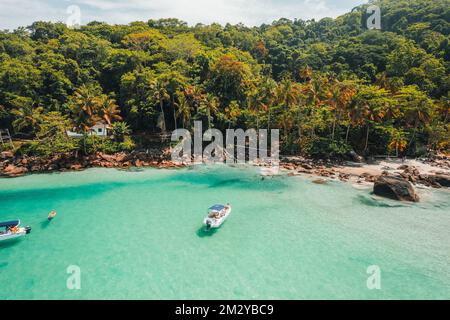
363 175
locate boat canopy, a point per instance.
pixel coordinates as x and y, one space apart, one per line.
217 207
9 224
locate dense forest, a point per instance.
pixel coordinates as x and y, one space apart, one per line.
330 86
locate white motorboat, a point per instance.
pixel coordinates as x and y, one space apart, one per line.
217 215
12 230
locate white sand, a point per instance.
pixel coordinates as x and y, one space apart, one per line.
388 165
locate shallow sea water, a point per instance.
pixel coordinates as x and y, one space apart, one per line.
138 235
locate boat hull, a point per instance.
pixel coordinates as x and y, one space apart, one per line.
10 235
212 223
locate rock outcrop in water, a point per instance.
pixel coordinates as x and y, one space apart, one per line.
396 188
441 179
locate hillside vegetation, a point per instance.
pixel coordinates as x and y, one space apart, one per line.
330 85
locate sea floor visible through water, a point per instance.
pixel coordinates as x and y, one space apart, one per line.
137 234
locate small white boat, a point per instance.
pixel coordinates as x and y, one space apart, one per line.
217 215
51 215
12 230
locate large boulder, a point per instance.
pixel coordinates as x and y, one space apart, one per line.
443 180
355 157
395 188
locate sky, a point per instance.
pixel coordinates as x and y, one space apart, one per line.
15 13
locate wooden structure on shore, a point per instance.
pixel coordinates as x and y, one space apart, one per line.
5 137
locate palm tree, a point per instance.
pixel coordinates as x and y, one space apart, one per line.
27 116
232 113
161 95
109 109
85 108
313 91
287 96
418 108
120 130
339 96
306 73
195 96
184 108
173 82
210 107
254 104
370 105
268 91
397 140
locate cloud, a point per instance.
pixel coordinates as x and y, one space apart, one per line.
249 12
14 13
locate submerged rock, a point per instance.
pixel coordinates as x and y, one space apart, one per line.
395 188
320 181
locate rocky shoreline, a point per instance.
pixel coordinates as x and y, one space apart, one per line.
390 178
437 174
393 179
11 166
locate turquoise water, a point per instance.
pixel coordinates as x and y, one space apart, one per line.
137 235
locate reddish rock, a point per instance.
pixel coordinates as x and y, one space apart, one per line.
14 171
76 167
6 155
138 163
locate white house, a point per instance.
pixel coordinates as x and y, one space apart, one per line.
99 129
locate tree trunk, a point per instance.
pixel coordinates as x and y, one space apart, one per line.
84 144
209 119
161 104
174 113
334 129
367 137
347 134
413 137
175 119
